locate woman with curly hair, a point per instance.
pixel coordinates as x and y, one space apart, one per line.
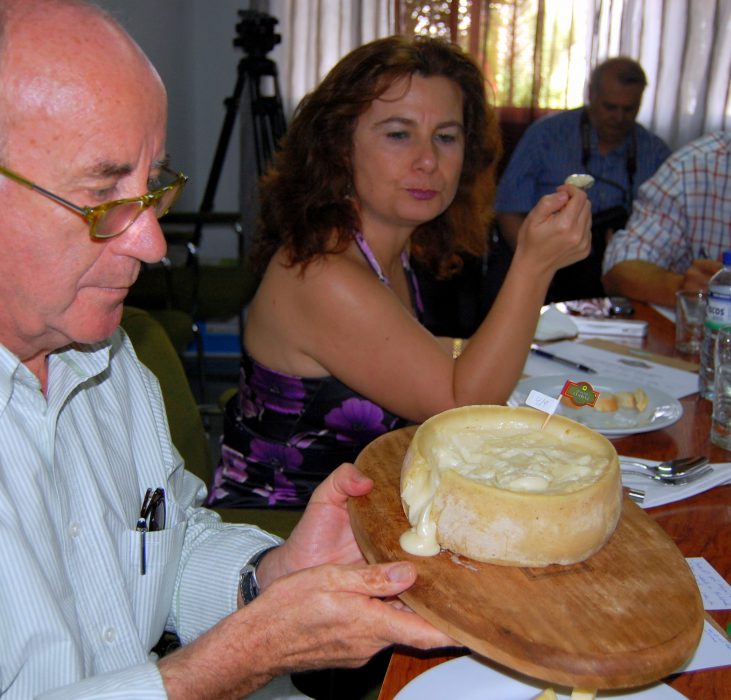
391 156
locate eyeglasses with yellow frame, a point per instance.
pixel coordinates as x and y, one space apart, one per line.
113 218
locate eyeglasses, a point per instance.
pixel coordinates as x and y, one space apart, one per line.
113 218
152 519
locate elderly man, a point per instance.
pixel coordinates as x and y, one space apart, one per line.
89 578
602 139
679 228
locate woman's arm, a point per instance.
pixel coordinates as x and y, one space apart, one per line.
341 320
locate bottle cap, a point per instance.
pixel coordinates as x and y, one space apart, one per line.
727 258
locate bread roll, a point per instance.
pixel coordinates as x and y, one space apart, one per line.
641 399
606 402
625 399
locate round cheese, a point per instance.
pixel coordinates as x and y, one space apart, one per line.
495 484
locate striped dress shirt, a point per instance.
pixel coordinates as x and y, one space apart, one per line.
77 618
683 212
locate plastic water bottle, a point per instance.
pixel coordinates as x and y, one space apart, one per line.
718 314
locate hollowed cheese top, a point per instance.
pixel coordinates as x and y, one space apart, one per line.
489 483
518 462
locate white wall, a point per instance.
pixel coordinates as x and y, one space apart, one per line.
191 44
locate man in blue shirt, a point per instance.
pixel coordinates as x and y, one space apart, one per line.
602 139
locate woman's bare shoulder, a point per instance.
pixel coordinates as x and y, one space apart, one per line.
331 276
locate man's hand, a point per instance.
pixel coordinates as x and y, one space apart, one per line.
697 275
323 617
321 606
653 284
323 534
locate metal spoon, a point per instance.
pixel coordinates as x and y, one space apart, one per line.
636 495
674 479
678 466
688 478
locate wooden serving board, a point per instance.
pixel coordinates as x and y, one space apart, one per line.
627 616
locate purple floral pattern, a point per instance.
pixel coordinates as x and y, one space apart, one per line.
274 390
273 456
356 418
284 434
283 491
278 457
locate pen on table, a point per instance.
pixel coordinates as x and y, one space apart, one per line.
569 363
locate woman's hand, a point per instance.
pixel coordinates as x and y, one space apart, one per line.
557 231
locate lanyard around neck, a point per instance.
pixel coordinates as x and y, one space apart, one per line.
630 162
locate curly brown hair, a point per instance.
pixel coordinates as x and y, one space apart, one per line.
304 195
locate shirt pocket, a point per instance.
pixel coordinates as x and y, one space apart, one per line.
151 593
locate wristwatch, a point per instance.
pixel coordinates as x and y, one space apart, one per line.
248 585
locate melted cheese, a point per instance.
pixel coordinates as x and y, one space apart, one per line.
489 483
523 463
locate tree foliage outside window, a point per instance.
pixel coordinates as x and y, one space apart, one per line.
534 53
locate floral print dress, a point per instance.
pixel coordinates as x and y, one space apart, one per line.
284 434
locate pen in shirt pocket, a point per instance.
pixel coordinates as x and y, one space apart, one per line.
152 519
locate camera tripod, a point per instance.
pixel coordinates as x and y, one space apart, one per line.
222 290
266 115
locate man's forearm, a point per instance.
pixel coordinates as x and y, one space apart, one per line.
643 281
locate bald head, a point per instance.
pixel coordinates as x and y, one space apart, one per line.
55 54
84 116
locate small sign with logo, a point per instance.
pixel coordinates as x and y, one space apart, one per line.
579 393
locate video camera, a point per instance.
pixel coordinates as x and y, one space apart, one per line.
255 32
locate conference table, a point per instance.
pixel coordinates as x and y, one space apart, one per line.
700 525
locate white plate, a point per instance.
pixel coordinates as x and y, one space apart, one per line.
470 678
662 409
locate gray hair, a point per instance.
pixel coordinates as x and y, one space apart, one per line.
625 70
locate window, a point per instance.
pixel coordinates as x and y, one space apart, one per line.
533 52
537 54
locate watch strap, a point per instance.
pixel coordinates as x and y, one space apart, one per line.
248 584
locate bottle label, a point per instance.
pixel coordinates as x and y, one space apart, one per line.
718 310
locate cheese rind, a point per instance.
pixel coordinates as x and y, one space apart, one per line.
487 482
582 694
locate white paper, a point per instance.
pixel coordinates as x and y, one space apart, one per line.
714 650
611 326
547 404
715 591
658 494
636 368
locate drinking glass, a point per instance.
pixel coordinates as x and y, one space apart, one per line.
690 314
